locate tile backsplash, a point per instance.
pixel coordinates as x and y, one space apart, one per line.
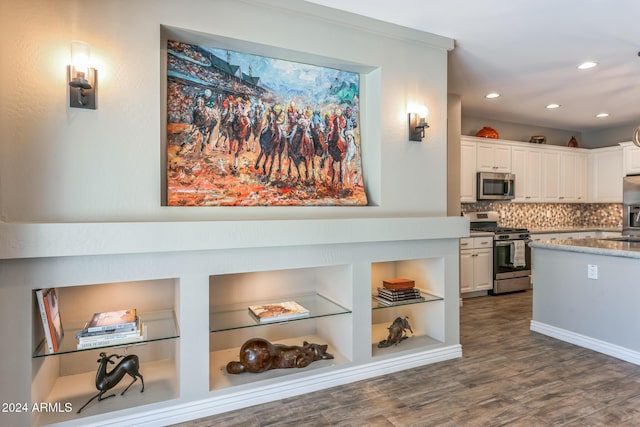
550 215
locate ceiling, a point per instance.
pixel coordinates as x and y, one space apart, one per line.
528 51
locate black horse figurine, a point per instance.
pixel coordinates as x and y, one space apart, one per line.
107 380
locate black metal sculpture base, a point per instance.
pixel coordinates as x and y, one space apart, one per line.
105 381
396 332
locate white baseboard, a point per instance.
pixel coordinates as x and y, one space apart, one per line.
220 403
604 347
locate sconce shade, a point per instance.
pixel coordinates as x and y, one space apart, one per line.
82 79
416 127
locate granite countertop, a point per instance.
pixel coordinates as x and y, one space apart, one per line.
571 229
593 246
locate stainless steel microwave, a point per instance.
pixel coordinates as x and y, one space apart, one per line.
496 186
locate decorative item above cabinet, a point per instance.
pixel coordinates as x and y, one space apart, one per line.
488 132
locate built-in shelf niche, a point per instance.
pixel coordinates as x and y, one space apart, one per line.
426 317
69 376
325 291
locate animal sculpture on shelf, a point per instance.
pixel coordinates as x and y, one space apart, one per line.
105 381
396 332
259 355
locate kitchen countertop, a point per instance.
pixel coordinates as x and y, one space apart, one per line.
568 229
592 246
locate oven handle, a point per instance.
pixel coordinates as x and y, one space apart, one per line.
508 242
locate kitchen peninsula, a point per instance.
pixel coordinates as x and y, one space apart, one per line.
585 292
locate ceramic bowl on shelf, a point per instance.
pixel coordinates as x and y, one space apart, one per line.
487 132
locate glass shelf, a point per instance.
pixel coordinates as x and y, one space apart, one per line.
375 304
237 316
160 325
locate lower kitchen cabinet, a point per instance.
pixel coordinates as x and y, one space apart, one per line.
476 264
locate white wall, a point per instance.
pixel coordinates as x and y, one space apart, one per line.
65 165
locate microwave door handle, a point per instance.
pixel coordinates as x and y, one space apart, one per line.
507 187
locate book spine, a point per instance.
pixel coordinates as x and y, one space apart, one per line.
52 330
114 336
109 342
111 328
45 321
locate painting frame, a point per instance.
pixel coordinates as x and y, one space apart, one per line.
202 171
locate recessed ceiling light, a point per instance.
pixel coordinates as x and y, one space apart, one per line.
601 115
552 106
587 65
492 95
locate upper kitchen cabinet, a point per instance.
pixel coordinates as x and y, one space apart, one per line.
564 175
526 164
467 171
493 157
544 173
573 177
605 175
631 155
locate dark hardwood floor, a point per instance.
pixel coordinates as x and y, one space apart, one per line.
508 375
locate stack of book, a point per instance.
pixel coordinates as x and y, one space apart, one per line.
111 328
398 291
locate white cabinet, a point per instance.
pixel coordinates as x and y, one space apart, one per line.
563 176
493 157
476 264
467 171
550 176
631 156
573 177
605 175
543 173
526 164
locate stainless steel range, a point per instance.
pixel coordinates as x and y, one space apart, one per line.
511 252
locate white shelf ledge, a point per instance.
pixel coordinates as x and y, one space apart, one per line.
41 240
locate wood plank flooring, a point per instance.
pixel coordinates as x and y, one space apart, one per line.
508 375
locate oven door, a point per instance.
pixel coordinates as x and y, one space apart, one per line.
511 274
503 260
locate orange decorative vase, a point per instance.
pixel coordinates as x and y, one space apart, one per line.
487 132
573 142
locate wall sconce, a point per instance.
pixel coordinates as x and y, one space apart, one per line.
82 79
417 123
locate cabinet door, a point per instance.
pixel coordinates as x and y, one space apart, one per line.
525 164
631 160
568 190
519 168
533 176
485 158
550 178
466 270
605 175
502 158
493 158
467 172
581 178
483 271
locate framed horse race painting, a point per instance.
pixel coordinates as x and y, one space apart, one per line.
248 130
